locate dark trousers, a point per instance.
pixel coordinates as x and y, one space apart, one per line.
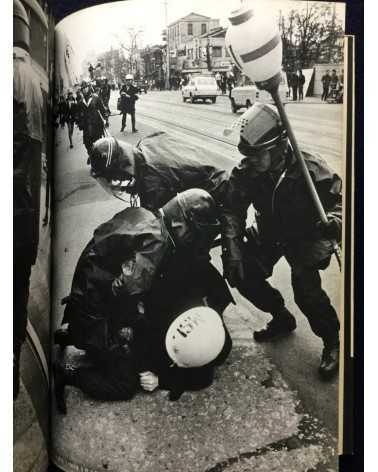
132 114
325 92
308 293
70 126
295 93
113 376
22 262
300 94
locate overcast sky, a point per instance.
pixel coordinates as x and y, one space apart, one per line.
94 29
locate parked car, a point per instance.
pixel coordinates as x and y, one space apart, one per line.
244 96
200 87
141 85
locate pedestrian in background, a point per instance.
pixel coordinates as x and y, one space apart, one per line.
105 91
326 79
71 115
62 111
301 82
127 102
334 80
91 115
294 84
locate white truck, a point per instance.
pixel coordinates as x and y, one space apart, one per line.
246 94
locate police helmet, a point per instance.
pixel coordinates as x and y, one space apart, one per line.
21 26
129 77
104 156
195 338
192 219
260 129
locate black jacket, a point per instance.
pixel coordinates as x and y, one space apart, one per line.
166 165
128 98
284 210
91 114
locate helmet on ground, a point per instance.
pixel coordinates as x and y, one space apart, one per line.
195 338
21 26
129 77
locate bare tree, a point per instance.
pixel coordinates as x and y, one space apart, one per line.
313 34
129 44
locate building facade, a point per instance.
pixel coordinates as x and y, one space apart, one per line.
196 44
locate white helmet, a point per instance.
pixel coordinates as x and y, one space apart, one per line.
129 77
195 338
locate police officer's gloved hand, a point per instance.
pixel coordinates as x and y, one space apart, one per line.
330 229
233 272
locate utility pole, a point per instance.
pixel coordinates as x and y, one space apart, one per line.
167 49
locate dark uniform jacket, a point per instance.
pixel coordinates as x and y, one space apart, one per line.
167 165
285 213
71 114
127 103
91 114
27 149
135 247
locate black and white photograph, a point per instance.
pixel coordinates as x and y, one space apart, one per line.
197 259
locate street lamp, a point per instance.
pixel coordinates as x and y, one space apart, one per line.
255 45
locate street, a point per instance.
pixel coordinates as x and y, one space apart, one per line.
267 409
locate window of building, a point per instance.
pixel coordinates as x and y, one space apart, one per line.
203 28
217 51
190 29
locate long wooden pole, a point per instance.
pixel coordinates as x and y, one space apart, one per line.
310 184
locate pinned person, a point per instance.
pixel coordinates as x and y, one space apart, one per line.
144 302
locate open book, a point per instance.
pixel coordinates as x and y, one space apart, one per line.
183 231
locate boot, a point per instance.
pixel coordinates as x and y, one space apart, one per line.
62 337
329 365
282 324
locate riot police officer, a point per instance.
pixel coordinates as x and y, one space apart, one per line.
156 169
128 97
27 153
287 224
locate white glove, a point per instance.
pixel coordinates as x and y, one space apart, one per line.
149 381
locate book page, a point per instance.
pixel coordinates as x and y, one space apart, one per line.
153 100
33 48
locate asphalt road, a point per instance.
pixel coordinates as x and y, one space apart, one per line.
269 395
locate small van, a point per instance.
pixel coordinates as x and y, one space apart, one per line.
247 94
200 87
